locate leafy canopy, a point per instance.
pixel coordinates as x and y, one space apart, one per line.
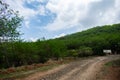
9 22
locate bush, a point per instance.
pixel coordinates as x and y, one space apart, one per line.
85 51
73 53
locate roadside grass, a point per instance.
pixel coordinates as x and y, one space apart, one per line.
114 63
23 71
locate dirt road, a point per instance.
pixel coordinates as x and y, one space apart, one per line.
85 69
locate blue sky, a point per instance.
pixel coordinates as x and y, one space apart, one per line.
56 18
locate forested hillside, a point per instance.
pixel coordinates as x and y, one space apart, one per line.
86 43
97 38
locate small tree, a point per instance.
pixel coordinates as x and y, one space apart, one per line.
9 22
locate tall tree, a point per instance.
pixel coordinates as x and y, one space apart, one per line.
9 24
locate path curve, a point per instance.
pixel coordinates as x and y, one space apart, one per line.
85 69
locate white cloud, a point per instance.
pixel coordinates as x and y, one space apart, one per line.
41 10
110 15
60 35
33 39
69 13
18 6
27 24
30 1
27 13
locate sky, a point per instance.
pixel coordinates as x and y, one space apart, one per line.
56 18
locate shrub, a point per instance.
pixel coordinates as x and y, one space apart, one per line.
85 51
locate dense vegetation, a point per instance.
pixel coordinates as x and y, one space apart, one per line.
85 43
14 52
97 38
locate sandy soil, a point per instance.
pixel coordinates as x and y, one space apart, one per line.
85 69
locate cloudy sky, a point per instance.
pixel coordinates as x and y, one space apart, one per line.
55 18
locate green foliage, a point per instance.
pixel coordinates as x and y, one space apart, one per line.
25 53
72 53
9 23
97 38
82 44
85 51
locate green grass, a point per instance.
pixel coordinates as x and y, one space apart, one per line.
113 63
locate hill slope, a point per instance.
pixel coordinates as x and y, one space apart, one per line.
100 37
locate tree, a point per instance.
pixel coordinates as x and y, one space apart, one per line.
9 23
